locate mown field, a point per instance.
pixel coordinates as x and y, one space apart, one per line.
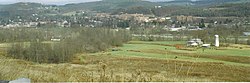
139 61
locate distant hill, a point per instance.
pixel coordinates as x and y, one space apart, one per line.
234 9
25 9
229 9
1 6
202 2
22 6
109 5
18 9
169 8
178 2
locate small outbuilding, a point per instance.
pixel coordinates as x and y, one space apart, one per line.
206 45
194 42
246 33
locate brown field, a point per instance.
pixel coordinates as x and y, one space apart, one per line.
107 67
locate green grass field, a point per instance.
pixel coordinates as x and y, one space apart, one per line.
160 51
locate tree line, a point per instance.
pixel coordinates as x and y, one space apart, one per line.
78 40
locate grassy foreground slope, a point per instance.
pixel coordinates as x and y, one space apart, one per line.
139 61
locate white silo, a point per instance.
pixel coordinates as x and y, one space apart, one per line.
217 41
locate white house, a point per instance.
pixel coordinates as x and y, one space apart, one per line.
194 42
246 33
55 40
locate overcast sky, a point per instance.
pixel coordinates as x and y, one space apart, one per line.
58 2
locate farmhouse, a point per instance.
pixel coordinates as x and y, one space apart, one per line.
246 33
194 42
65 24
177 29
56 39
206 45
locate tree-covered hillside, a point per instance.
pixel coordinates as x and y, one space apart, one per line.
27 9
109 5
195 8
230 9
202 2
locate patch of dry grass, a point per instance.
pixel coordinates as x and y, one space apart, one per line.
107 68
212 71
